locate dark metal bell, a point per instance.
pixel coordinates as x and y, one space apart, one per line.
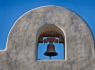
50 51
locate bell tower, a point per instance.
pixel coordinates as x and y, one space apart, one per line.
50 24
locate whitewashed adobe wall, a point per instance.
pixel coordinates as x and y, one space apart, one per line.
21 47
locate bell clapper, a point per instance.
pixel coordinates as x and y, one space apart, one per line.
50 57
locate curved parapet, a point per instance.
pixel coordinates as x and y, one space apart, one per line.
22 40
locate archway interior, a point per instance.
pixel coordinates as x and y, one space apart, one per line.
51 45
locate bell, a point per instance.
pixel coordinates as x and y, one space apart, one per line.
50 51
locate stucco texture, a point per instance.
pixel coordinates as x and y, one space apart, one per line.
21 47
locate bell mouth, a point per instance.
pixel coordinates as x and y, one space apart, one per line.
50 53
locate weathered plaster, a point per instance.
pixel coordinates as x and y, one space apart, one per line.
20 52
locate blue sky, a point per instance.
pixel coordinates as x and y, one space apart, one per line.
11 10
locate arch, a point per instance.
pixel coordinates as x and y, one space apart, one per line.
51 27
46 30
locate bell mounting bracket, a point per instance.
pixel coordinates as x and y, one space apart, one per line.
51 37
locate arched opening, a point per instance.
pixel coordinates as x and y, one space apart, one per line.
51 43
